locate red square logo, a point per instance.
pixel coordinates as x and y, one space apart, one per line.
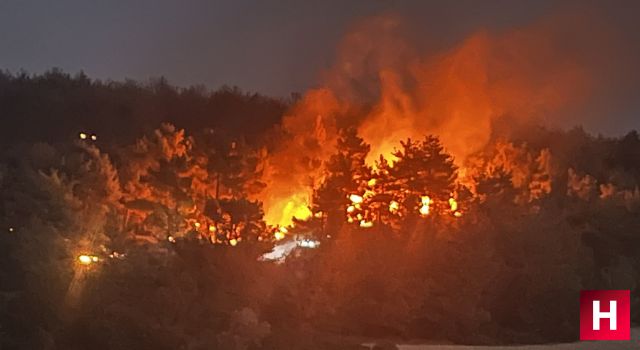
605 315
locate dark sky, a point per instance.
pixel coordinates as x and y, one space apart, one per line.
273 47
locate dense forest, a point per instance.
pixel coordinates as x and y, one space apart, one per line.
131 219
55 106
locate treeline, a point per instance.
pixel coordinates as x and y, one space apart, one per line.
54 106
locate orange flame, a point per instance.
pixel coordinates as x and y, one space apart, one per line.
381 85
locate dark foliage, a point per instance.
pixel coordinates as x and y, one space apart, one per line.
176 236
55 106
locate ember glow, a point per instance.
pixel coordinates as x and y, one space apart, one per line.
281 233
394 206
355 199
85 259
425 205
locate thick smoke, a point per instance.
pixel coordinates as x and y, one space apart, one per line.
390 92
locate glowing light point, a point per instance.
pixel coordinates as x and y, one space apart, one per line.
94 137
87 259
457 214
197 225
82 136
425 207
171 239
11 229
453 204
281 233
394 206
308 243
366 224
212 228
233 242
351 209
116 255
354 198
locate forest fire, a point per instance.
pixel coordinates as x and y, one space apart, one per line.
435 185
458 95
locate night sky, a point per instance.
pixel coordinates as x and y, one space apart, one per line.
272 47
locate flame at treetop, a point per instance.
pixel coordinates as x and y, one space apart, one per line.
391 92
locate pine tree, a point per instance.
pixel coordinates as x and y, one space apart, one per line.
233 175
495 185
385 204
158 179
346 174
423 168
233 167
59 204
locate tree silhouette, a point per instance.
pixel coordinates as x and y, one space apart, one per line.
422 168
346 173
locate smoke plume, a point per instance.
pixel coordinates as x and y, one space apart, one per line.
382 85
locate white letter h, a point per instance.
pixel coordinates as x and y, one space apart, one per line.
611 315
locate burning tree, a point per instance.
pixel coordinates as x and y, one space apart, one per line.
420 180
424 168
180 186
158 177
346 174
233 170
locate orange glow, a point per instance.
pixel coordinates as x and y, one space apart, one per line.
366 224
281 233
457 93
85 259
425 205
355 199
283 211
453 204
